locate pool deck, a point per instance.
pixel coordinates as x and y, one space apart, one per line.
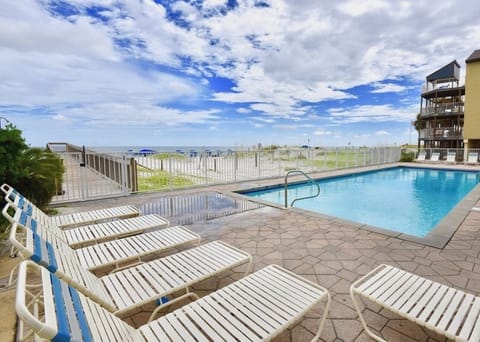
333 253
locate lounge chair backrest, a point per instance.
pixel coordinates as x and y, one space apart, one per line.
451 156
49 251
69 316
24 215
435 156
16 199
472 157
421 155
68 220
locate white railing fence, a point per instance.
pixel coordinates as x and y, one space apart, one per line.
95 175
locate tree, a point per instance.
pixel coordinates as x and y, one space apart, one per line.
419 124
34 172
12 146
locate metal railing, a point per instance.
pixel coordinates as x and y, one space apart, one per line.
170 170
310 180
441 133
443 109
91 175
450 84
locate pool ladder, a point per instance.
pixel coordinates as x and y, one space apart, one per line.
310 180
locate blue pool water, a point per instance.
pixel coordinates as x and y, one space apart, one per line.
407 200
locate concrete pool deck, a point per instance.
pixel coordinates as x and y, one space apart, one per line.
332 253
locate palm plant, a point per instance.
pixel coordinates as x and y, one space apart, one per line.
34 172
41 174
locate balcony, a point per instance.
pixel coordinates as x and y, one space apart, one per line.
430 91
443 133
444 109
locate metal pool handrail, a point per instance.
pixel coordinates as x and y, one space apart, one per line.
310 180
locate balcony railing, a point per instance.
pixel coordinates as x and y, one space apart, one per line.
443 109
441 133
429 86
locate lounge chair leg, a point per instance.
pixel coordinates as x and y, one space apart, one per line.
248 267
13 252
364 323
323 319
12 274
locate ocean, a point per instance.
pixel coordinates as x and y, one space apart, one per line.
160 149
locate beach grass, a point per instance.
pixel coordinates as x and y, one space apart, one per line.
336 159
158 179
163 156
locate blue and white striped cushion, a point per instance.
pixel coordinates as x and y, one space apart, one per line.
72 323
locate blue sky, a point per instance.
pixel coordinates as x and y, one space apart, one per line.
225 72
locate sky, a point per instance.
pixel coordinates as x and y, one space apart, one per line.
225 72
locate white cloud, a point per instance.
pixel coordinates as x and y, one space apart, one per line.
209 4
59 117
263 119
128 114
356 8
29 29
388 88
285 127
372 113
322 132
243 110
380 133
50 79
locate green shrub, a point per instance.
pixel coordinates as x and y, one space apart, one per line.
34 172
407 156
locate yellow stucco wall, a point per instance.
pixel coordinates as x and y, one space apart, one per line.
472 101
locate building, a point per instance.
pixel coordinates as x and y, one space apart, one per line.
471 134
449 116
441 119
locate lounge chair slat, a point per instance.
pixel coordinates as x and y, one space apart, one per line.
412 301
469 323
249 318
461 314
404 293
223 319
74 325
375 281
190 326
260 317
434 297
444 310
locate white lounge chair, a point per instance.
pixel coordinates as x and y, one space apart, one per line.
133 287
447 311
451 157
256 308
68 220
421 155
111 253
94 233
435 157
472 158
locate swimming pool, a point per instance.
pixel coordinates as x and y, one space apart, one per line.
402 199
